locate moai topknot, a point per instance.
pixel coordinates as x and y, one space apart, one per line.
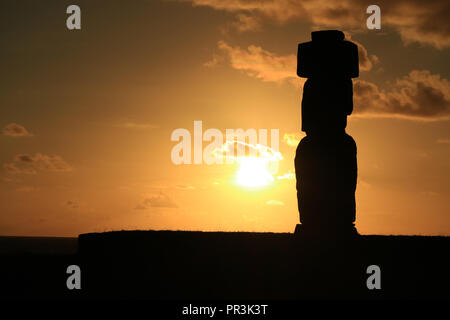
325 161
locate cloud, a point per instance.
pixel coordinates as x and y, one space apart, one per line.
32 164
216 59
235 150
259 63
156 201
419 21
245 22
293 139
72 204
15 130
419 95
366 62
275 203
267 66
425 22
286 176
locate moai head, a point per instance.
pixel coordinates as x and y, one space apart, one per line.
329 62
328 55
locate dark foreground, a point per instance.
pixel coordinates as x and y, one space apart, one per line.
214 265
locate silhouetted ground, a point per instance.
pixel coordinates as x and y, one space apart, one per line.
225 265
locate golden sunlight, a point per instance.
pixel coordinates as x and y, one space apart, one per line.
253 172
256 169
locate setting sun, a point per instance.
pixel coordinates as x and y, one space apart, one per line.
253 172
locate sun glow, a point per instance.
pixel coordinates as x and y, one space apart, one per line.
253 172
256 169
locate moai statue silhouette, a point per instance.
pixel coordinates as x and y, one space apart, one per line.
325 161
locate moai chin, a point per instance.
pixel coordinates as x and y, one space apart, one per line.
325 161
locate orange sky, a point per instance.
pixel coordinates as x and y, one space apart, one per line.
86 116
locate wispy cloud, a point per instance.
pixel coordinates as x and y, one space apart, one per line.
366 61
293 139
424 22
260 63
234 150
156 201
286 176
268 66
275 203
15 130
72 204
32 164
419 95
